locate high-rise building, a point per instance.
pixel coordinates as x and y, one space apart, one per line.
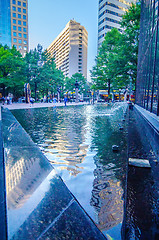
109 16
14 24
147 83
69 49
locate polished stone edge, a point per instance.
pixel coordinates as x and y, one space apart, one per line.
149 123
3 218
151 118
56 219
74 200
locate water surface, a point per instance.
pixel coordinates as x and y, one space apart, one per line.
78 142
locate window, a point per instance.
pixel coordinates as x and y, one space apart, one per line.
14 21
24 4
24 29
20 41
19 35
19 3
14 2
24 10
25 42
14 15
20 47
24 16
14 40
25 36
19 22
14 8
15 46
24 23
19 15
19 9
25 48
14 34
19 29
14 28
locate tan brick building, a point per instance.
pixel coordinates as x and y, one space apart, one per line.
19 24
70 49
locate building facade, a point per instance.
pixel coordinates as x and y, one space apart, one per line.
109 16
69 49
14 24
147 85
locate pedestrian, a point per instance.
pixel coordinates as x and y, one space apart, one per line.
54 100
3 100
31 101
8 100
65 100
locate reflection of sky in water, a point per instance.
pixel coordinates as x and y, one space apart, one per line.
78 141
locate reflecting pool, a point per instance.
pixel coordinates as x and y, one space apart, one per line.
78 142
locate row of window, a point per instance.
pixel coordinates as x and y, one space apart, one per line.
17 34
20 47
18 3
110 20
101 36
100 1
112 5
106 26
19 28
19 16
19 22
19 9
110 12
19 40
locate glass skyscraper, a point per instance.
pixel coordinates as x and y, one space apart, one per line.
147 85
5 22
14 24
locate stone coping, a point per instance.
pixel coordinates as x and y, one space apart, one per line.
151 118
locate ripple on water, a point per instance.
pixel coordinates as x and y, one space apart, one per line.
78 142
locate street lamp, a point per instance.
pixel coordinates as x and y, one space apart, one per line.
58 93
76 91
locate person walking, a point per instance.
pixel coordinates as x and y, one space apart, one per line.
65 100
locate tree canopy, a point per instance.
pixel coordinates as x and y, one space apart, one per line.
116 62
11 70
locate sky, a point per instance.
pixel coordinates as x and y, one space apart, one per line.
47 18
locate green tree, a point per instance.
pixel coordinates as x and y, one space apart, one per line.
116 62
42 73
12 75
103 73
80 79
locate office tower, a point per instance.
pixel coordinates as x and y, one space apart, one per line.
14 24
109 16
70 49
5 23
147 84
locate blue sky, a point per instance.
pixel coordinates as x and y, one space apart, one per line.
47 18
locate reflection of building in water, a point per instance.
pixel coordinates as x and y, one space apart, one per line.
66 149
107 199
23 178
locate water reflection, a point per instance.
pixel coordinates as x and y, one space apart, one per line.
78 142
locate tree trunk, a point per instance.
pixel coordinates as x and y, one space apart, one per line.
35 90
108 87
3 90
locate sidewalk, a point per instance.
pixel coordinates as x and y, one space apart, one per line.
38 105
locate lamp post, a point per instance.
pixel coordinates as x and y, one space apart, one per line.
76 91
58 93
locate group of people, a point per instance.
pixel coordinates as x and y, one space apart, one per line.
7 100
